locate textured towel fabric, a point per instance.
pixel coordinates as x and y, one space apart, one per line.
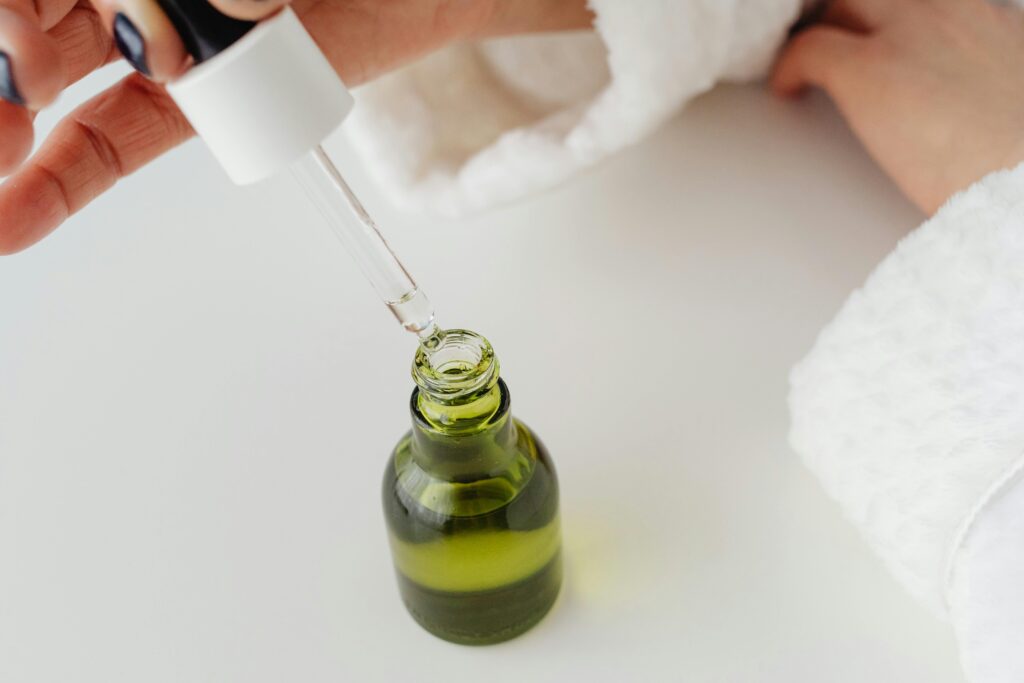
476 125
909 408
988 591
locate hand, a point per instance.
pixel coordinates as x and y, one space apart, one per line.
933 88
46 45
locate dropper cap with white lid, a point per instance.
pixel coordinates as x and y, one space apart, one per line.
263 97
260 95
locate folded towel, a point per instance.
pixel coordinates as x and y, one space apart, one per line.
910 410
988 591
480 124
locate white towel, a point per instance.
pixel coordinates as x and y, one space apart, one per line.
480 124
910 410
910 407
988 592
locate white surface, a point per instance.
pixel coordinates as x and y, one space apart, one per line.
198 394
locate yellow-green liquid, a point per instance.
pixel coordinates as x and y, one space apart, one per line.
477 556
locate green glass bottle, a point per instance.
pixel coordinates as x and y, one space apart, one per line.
471 501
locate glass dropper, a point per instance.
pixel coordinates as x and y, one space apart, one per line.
356 230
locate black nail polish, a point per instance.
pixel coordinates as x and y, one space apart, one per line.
8 90
130 42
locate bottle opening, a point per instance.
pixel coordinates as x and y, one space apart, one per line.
455 366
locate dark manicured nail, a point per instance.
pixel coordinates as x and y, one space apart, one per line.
129 41
8 90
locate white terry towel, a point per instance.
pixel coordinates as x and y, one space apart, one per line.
910 407
910 410
480 124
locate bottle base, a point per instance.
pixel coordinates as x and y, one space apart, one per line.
484 617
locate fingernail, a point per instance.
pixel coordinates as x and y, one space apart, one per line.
129 41
8 90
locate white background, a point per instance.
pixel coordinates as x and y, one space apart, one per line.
198 393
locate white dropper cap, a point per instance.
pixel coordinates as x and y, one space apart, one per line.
263 97
264 101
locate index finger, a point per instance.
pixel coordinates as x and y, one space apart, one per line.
103 140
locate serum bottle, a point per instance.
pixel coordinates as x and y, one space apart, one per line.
471 501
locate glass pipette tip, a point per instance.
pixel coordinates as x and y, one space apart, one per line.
361 237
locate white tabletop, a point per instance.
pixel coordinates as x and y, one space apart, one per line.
198 393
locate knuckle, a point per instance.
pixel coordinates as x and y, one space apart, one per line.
170 119
101 145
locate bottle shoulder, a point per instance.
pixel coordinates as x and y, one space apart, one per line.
522 492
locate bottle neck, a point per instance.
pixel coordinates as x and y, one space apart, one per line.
464 441
462 427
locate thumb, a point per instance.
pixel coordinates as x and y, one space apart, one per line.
816 57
